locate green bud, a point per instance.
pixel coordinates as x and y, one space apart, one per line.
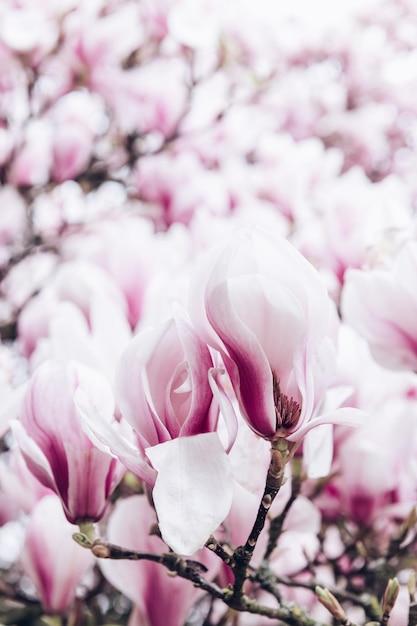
327 599
391 594
82 540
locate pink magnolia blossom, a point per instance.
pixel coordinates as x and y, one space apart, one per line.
259 302
163 390
51 558
147 98
19 484
381 305
80 283
136 258
12 218
159 600
179 186
29 31
352 213
77 118
383 449
33 159
55 447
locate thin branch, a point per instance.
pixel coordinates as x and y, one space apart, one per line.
185 568
224 553
277 523
243 554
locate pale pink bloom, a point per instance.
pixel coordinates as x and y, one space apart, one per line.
28 31
6 143
383 450
195 23
381 303
51 558
54 445
363 134
290 173
134 256
14 92
12 218
71 151
77 118
150 98
259 302
9 510
97 342
158 599
103 41
13 372
180 186
19 484
81 283
163 391
351 216
33 158
27 277
55 209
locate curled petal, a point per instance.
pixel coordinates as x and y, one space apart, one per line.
226 407
108 438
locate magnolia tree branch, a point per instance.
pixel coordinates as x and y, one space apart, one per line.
238 560
243 554
277 523
191 570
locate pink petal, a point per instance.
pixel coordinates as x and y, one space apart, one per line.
193 491
345 416
226 407
132 399
35 459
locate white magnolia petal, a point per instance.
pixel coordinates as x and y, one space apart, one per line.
193 491
318 450
345 416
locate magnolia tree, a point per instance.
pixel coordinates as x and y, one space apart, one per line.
208 313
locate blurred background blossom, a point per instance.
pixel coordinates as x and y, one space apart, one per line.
134 136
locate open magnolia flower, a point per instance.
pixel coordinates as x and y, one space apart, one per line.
163 392
265 308
381 304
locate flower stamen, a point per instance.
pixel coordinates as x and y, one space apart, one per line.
287 410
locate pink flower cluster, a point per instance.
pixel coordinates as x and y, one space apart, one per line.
208 245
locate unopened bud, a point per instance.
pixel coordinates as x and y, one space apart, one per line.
360 547
327 599
405 531
391 594
412 587
82 540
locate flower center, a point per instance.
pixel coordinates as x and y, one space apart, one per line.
287 410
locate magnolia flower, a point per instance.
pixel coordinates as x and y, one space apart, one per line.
381 305
157 598
163 391
265 308
54 446
50 557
